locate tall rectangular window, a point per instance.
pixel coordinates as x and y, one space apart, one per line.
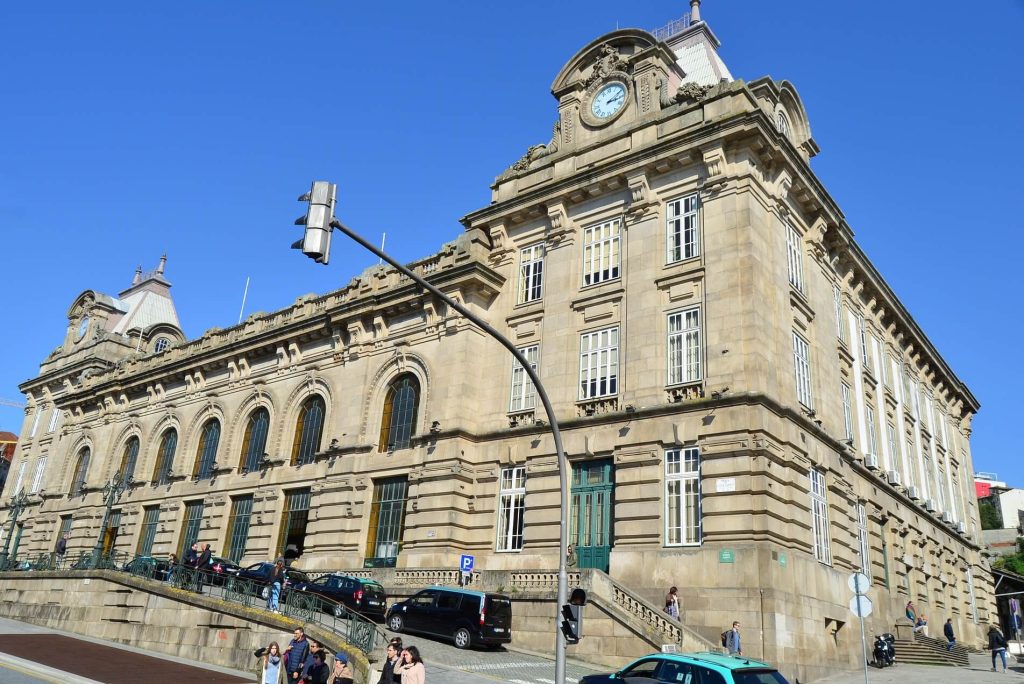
970 593
524 394
890 434
54 417
886 368
531 274
65 528
847 411
802 368
684 347
190 530
511 506
682 497
21 477
291 540
865 355
681 218
599 363
862 536
37 481
869 418
885 555
912 458
601 252
795 253
819 517
387 522
837 301
35 421
150 520
238 526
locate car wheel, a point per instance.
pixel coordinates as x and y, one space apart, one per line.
395 623
463 639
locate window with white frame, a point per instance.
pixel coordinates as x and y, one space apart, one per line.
802 367
847 411
601 252
876 356
681 218
531 274
511 505
862 538
942 489
795 254
599 363
912 458
886 367
782 123
682 497
865 355
869 419
684 347
890 435
54 417
819 517
162 343
37 481
524 394
837 296
35 422
21 477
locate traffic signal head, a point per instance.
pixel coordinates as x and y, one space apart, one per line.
316 242
571 624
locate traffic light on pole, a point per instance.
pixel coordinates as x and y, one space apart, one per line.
572 621
316 242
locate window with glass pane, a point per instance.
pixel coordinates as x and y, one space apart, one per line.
819 517
129 458
21 476
291 541
684 347
601 253
511 504
847 411
802 367
599 363
206 454
150 520
190 530
165 457
387 521
862 537
681 222
400 408
682 497
37 481
238 526
309 430
531 274
890 436
912 459
865 353
35 421
837 296
524 394
162 343
81 468
54 417
65 528
795 255
869 419
254 441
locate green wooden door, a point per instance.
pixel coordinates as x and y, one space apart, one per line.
591 513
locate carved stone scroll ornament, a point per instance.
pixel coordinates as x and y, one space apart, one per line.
687 92
608 60
533 153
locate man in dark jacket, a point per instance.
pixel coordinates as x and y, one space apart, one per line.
191 556
295 655
62 548
202 565
387 670
947 630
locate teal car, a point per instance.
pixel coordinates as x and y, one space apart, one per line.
691 668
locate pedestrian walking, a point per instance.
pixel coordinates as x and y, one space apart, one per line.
317 671
672 603
295 655
387 670
202 563
271 670
732 640
62 548
412 669
342 673
314 648
172 568
276 581
997 644
192 555
947 630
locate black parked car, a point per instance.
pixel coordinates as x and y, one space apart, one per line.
469 618
259 574
363 596
148 566
220 569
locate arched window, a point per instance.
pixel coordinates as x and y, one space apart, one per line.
165 457
399 419
254 443
782 123
206 454
308 430
81 468
129 459
161 344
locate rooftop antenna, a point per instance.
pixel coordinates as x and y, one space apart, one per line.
244 294
383 237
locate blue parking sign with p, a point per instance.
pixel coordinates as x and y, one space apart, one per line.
466 564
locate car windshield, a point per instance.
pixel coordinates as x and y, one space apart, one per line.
758 677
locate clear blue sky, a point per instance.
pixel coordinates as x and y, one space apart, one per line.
132 129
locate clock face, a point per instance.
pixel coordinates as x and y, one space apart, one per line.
609 100
83 327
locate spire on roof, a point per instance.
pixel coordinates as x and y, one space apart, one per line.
138 275
694 11
163 263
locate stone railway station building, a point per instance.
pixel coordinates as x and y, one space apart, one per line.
750 412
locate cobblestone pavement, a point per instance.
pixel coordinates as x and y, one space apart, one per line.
978 672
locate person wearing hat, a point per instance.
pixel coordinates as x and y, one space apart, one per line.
342 673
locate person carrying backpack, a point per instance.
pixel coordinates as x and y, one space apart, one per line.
997 644
731 639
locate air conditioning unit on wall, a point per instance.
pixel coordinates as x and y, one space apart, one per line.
947 517
930 505
913 492
894 477
871 461
961 528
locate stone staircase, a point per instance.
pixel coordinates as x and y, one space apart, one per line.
922 650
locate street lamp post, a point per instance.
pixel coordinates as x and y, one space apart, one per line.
319 223
112 492
18 503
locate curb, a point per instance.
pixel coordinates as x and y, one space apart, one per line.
30 667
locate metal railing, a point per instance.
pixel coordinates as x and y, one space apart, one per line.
327 614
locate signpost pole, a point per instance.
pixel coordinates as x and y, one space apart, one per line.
860 612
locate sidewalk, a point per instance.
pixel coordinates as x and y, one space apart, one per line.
978 672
